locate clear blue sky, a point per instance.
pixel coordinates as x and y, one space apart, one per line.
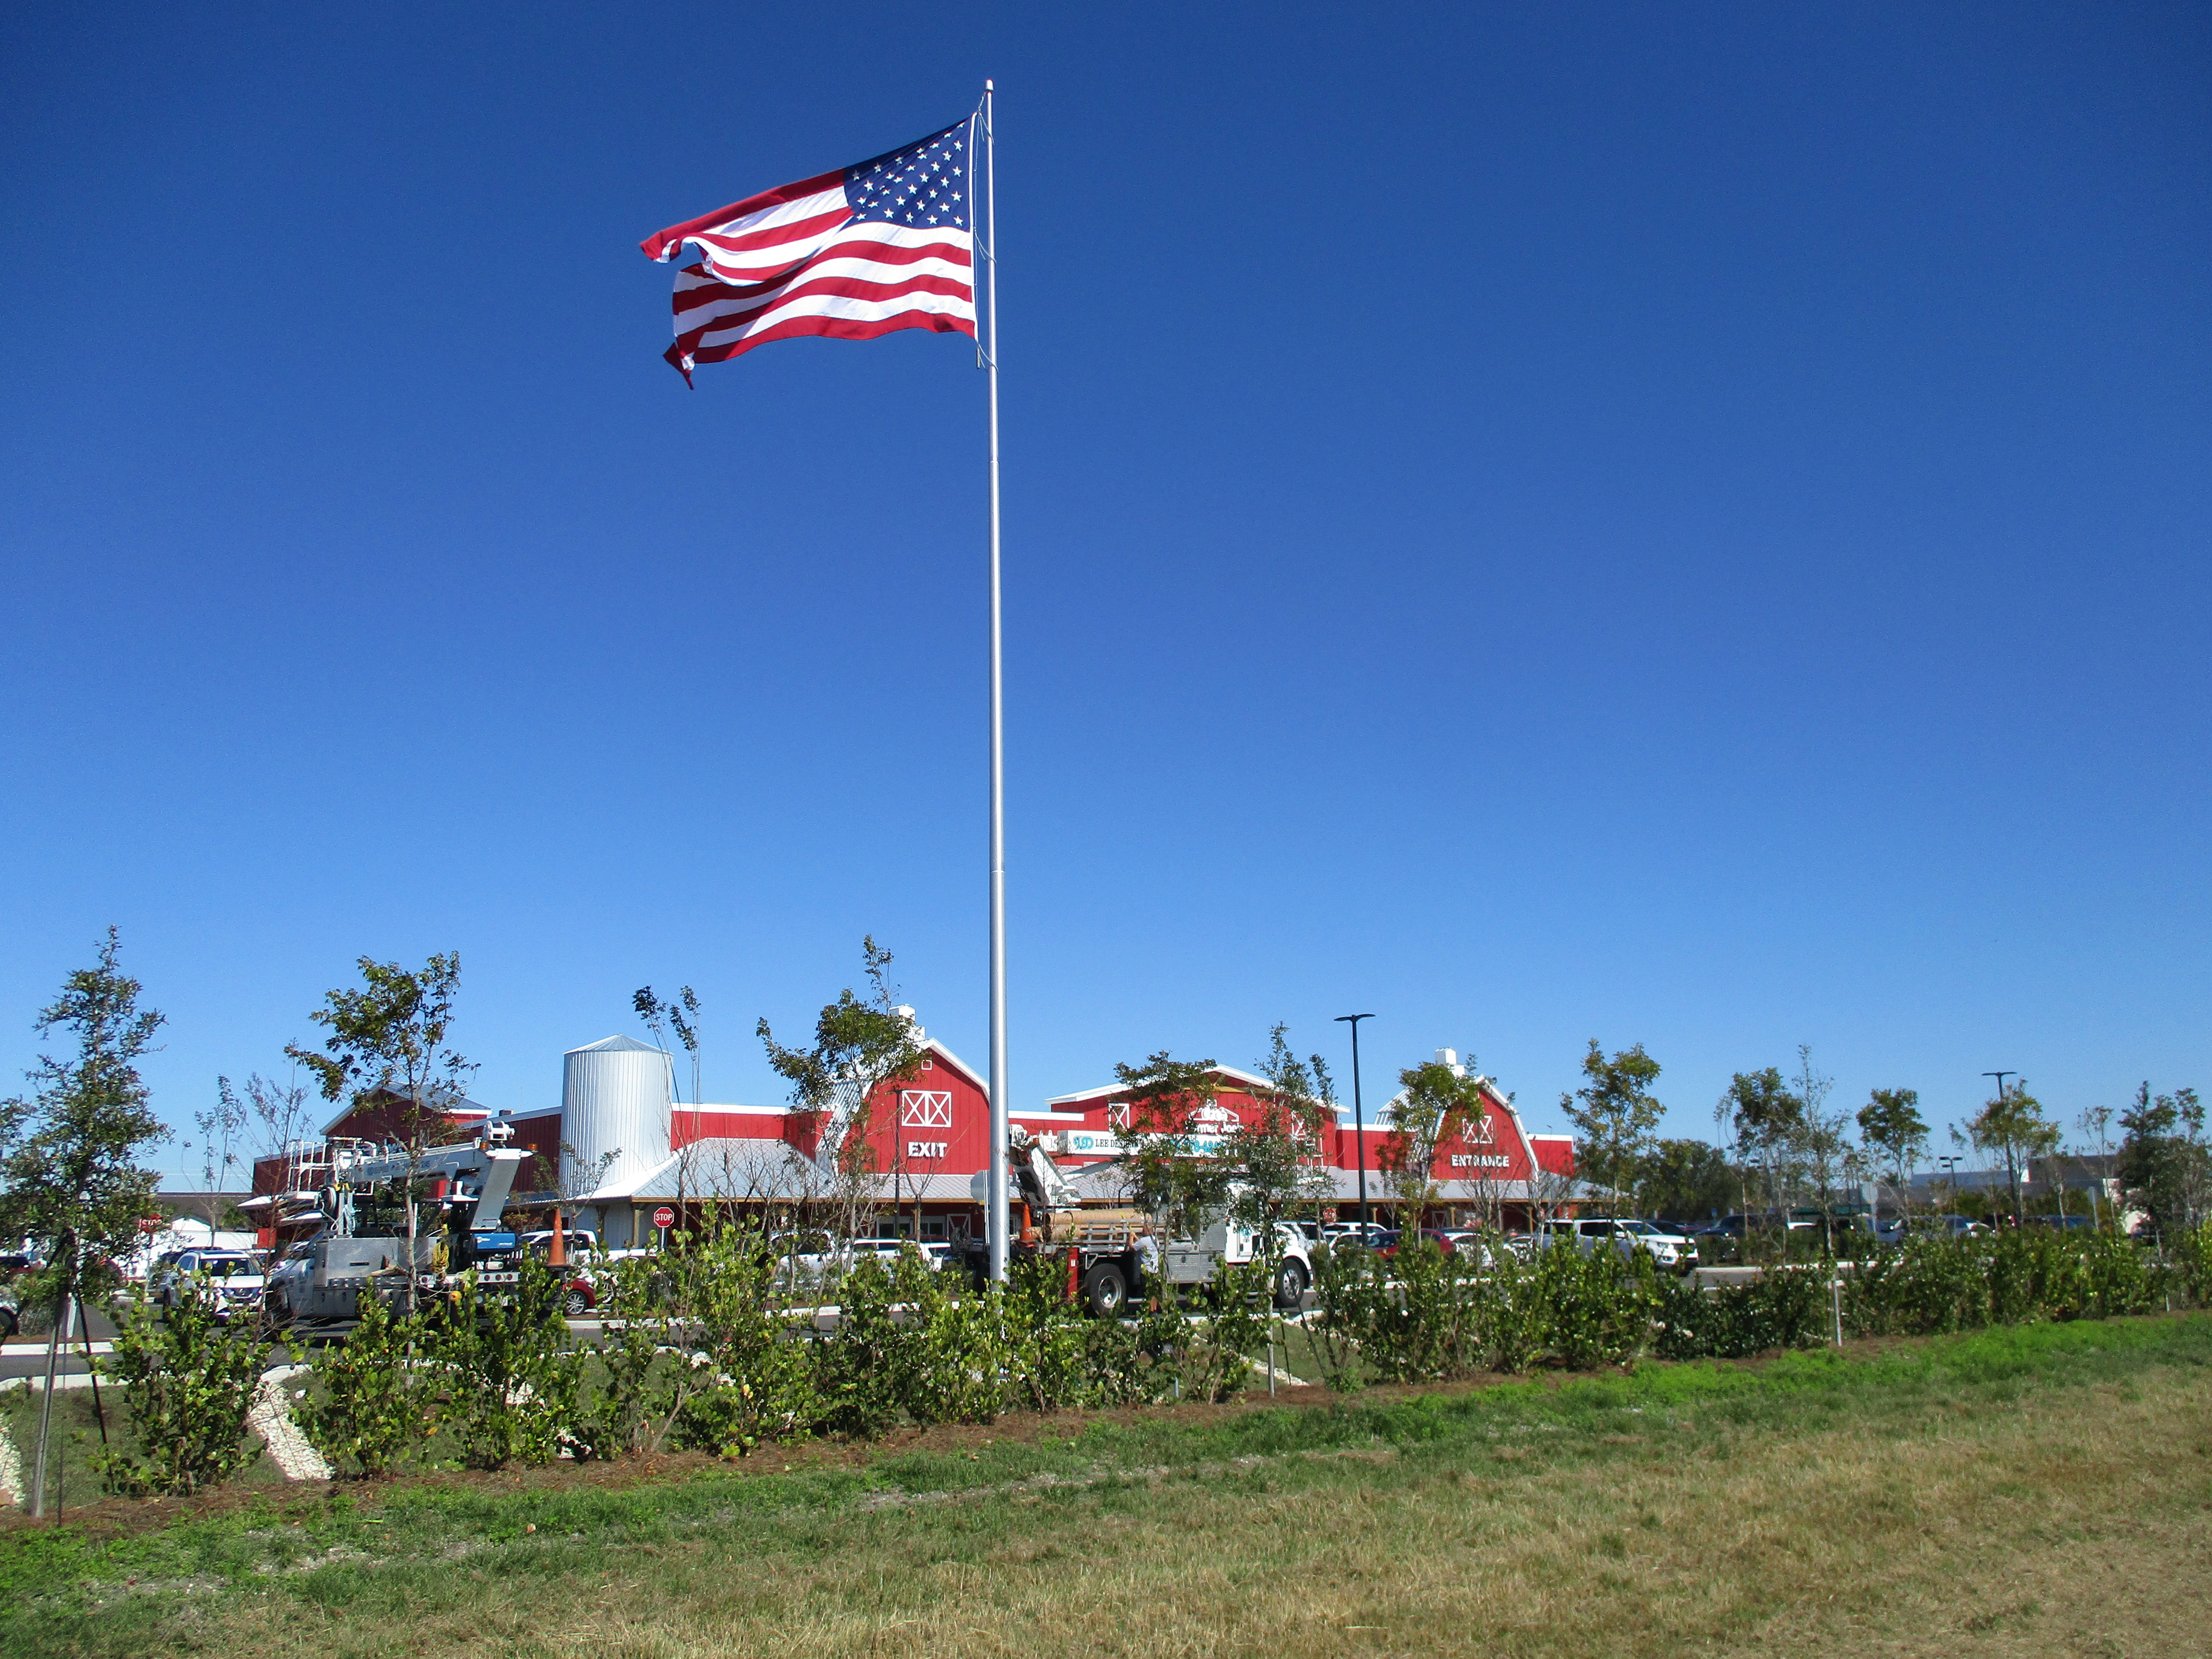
1676 524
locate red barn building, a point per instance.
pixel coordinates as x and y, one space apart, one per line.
620 1147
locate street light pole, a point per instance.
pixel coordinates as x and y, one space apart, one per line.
2009 1176
1359 1118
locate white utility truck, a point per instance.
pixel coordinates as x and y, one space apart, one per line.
324 1277
1119 1254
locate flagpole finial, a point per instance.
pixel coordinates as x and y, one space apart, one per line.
988 85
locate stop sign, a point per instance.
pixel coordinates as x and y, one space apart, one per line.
664 1217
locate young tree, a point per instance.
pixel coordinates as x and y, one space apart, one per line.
861 1044
387 1041
1615 1116
279 1109
72 1170
1434 1101
1893 1129
1687 1179
680 1010
72 1174
2162 1159
1159 1140
1275 1154
2095 1124
1765 1119
219 1126
1822 1139
2012 1126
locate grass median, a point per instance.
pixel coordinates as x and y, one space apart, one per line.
2034 1490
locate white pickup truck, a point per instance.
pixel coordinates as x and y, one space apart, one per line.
1193 1260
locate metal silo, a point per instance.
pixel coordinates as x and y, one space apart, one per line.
615 1097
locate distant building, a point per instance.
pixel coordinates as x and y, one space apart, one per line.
620 1146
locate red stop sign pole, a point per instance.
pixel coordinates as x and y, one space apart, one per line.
664 1217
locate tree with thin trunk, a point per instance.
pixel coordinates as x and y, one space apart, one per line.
862 1044
1434 1101
2162 1161
219 1126
2011 1125
681 1011
387 1043
1765 1119
2095 1124
1275 1154
1616 1119
71 1168
1170 1103
1892 1130
1822 1139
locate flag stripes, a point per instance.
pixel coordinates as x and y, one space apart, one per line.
879 247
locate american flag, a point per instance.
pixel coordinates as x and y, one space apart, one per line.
885 245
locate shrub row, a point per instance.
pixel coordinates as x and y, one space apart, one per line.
704 1348
1426 1316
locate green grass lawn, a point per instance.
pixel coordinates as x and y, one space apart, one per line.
2039 1489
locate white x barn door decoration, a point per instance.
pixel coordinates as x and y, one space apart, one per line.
925 1108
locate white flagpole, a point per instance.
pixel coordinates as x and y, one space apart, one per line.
995 1190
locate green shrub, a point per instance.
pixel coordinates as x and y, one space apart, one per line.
1046 1336
745 1376
865 1370
509 1374
2192 1259
1237 1308
962 1357
1601 1306
375 1404
187 1380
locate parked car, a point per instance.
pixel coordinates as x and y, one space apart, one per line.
1950 1226
575 1241
2064 1224
1669 1246
1452 1241
828 1257
1333 1231
1624 1234
236 1280
1381 1240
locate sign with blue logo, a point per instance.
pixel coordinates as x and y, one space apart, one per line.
494 1240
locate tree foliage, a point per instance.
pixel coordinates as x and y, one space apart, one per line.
1687 1179
1616 1117
1763 1120
73 1178
1892 1128
1434 1101
861 1044
387 1038
2011 1126
1275 1154
1169 1101
387 1041
2163 1161
681 1011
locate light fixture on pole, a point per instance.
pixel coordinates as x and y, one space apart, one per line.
1359 1118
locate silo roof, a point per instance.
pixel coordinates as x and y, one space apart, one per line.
617 1045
